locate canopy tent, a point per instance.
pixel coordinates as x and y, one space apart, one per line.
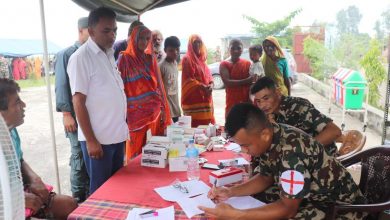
126 10
23 48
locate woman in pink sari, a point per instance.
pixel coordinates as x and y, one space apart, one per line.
197 84
147 105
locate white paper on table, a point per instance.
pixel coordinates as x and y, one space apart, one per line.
233 147
195 187
190 205
163 214
240 161
244 202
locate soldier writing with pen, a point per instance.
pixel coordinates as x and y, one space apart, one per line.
308 177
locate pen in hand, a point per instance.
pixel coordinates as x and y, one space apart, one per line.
213 190
148 214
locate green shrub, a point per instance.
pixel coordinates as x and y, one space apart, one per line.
321 60
375 71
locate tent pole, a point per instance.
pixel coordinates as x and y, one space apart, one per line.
47 77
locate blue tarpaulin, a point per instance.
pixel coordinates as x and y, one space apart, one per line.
23 48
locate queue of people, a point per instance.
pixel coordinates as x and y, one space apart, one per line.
21 68
109 105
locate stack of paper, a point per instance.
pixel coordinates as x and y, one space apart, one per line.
163 214
190 205
244 202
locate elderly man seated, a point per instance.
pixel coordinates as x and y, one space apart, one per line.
40 202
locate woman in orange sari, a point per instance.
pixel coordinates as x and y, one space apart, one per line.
147 106
37 68
235 76
197 84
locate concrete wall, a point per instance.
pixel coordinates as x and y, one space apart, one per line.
374 115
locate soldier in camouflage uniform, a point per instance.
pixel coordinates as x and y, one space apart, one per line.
79 179
295 111
308 178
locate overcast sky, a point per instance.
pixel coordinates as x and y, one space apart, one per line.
212 19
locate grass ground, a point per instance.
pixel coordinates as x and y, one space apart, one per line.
28 83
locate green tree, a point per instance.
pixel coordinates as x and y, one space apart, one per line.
210 55
350 48
320 58
348 20
372 63
382 27
386 25
379 33
341 18
386 19
277 28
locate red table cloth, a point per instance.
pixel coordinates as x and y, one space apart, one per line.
133 186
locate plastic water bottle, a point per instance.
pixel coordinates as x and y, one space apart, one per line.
193 170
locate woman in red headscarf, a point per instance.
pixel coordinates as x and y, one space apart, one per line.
147 106
197 84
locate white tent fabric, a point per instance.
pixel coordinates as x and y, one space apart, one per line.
126 10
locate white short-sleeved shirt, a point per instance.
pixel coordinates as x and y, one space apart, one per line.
93 73
256 69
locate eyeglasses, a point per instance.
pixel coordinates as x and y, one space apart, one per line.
180 186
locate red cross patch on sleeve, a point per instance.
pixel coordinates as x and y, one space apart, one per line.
292 182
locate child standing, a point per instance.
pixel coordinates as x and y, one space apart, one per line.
169 73
256 68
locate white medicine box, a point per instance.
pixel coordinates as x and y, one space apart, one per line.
225 176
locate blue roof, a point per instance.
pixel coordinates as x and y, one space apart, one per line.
23 48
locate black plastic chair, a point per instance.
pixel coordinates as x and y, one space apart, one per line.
374 182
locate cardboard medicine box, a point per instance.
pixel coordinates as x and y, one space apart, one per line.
156 162
155 155
226 176
155 150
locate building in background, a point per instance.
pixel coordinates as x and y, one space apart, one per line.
315 32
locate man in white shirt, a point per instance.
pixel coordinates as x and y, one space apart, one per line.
99 99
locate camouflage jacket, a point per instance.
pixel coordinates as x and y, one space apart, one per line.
324 179
300 113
